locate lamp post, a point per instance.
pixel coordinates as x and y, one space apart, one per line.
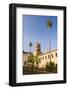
49 25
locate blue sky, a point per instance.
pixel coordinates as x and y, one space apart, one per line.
35 30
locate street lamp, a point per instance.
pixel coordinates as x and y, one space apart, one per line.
49 25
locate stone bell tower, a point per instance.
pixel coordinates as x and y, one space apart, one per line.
37 49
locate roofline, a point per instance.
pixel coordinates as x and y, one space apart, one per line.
48 52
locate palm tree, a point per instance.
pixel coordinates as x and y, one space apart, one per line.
49 25
30 45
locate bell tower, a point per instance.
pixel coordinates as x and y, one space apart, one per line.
37 49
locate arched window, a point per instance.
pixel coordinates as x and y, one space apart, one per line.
52 55
56 54
48 56
43 57
38 49
24 62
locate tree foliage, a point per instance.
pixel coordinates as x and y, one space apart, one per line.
49 23
34 61
51 67
30 44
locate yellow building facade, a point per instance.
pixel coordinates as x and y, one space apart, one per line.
45 57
